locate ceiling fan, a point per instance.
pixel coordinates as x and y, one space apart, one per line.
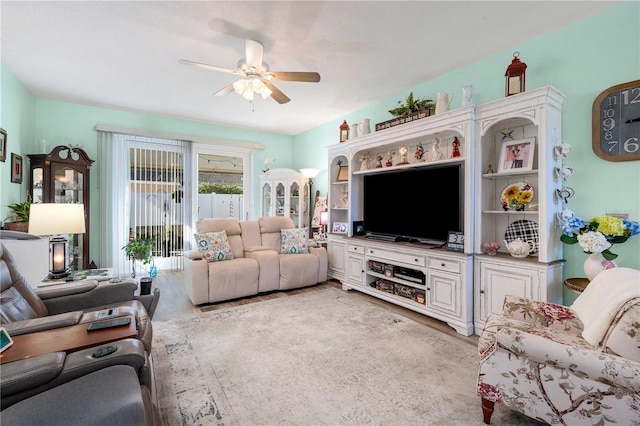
256 77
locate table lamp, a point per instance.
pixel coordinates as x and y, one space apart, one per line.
324 221
57 220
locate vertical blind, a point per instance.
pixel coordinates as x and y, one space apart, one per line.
142 184
157 207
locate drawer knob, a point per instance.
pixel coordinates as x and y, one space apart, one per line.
443 265
481 291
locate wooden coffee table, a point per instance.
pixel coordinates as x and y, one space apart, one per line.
65 339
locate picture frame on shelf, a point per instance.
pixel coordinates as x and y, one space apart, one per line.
358 227
17 167
517 155
3 145
343 174
339 228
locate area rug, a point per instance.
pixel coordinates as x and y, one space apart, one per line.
319 358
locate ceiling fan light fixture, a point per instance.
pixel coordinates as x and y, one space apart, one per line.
247 87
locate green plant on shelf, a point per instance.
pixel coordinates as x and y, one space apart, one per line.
412 104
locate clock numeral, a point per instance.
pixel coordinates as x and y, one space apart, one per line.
608 124
608 113
612 100
631 145
612 146
635 92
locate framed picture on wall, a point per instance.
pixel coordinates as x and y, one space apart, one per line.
16 168
3 145
516 155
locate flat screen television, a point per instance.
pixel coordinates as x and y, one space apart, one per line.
420 204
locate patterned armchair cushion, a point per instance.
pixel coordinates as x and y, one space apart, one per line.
495 323
543 314
623 338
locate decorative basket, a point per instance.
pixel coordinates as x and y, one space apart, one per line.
17 226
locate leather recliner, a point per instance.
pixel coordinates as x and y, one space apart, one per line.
23 310
110 396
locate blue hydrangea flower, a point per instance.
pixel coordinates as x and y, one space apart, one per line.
573 225
632 226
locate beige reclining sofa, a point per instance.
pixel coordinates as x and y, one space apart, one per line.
243 258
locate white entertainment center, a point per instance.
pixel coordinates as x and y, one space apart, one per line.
459 287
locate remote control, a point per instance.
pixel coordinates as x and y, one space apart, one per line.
100 325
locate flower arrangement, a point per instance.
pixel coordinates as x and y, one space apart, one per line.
599 234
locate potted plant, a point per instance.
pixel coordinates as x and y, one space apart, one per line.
411 105
138 249
21 212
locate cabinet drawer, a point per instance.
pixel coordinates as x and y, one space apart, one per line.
392 256
442 264
355 248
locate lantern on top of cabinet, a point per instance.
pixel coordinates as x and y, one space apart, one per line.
344 131
515 76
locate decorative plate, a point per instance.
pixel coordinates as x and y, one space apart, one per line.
516 195
526 230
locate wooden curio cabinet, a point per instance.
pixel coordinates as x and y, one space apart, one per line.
62 176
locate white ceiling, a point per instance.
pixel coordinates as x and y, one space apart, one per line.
124 54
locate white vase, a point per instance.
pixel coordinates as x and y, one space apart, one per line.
595 263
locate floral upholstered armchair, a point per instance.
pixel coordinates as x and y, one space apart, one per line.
567 365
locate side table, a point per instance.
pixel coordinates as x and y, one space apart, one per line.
577 284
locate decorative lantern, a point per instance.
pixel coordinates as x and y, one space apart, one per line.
515 76
344 131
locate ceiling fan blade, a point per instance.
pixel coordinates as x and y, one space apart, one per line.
208 67
276 94
254 51
308 77
225 90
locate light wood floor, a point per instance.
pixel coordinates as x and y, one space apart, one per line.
174 303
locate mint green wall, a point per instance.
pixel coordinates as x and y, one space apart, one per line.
580 60
17 115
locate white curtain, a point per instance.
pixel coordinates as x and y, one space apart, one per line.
144 192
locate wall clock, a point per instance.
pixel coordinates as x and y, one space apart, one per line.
616 122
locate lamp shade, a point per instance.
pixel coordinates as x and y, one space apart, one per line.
310 173
324 218
56 218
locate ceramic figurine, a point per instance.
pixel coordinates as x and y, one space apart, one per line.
364 162
403 155
419 152
435 150
389 159
490 170
442 102
378 161
466 95
456 147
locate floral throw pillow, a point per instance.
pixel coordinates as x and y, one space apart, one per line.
293 241
215 246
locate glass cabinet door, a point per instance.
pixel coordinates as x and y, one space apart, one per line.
266 200
37 184
280 204
294 202
69 185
